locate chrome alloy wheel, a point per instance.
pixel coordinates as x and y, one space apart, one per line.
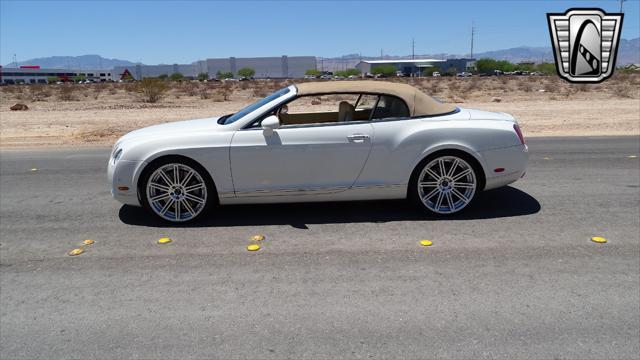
176 192
447 184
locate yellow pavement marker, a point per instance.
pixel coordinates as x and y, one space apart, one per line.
599 239
632 156
547 158
34 169
164 240
88 242
426 242
75 252
257 238
253 247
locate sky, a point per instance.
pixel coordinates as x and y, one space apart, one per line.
170 32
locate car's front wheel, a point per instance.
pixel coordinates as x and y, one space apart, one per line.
177 191
445 184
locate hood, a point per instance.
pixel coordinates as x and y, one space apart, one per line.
489 115
173 129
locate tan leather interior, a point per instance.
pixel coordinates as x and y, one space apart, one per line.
346 111
320 117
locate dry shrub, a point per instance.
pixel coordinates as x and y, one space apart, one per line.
525 86
218 97
151 90
39 92
316 101
626 91
67 92
98 89
453 85
550 87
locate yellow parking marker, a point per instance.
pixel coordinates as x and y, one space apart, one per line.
88 242
547 158
34 169
599 239
164 240
257 238
632 156
75 252
426 242
253 247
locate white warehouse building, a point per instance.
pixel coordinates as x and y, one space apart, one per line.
264 67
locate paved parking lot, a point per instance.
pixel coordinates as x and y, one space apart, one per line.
514 277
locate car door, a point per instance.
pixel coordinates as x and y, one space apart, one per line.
299 159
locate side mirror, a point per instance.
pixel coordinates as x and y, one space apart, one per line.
269 124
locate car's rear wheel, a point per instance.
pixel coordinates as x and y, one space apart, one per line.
177 191
445 184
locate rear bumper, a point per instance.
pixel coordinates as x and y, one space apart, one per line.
513 160
122 175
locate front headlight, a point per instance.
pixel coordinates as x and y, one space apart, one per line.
116 155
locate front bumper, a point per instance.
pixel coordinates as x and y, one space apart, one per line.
121 175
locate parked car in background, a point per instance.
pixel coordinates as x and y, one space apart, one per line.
310 77
436 74
326 77
382 140
464 74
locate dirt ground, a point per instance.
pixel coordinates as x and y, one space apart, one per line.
97 114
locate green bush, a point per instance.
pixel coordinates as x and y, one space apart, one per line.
387 70
246 72
348 72
203 76
151 89
224 75
313 72
176 77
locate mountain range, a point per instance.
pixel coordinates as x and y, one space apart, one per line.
628 53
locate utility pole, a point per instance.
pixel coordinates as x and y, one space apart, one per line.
413 49
473 33
381 57
15 61
621 1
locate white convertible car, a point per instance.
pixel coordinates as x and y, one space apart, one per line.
330 141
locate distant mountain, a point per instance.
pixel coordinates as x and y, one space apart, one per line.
88 62
628 53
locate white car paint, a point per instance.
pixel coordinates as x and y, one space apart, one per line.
319 162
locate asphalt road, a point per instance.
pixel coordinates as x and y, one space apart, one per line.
514 277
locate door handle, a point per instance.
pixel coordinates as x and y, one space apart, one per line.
358 137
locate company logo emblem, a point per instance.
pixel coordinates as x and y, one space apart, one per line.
585 43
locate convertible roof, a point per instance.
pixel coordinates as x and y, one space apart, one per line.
419 103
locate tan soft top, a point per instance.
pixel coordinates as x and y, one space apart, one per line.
419 103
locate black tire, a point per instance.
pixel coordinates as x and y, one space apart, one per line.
459 204
184 164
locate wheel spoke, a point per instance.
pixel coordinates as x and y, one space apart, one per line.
453 167
441 166
439 201
186 179
463 185
462 174
194 198
160 197
188 208
460 195
428 183
177 207
430 195
167 206
433 174
176 174
193 187
159 186
450 201
164 177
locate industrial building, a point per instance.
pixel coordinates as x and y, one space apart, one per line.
265 67
415 67
36 75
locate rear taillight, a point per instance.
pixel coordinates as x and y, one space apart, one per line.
519 133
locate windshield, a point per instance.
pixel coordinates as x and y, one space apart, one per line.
256 105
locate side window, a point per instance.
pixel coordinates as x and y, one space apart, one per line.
390 107
318 109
